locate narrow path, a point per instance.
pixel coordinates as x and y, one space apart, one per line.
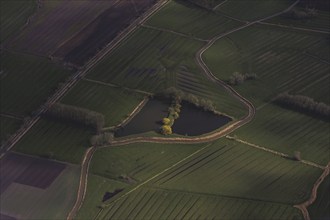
304 206
83 182
13 116
217 6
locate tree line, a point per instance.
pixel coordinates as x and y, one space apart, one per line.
76 115
175 93
304 104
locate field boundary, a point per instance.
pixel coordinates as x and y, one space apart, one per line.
306 162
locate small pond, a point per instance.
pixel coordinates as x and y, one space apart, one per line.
195 121
148 119
192 121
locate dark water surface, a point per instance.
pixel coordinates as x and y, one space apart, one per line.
148 119
192 121
195 121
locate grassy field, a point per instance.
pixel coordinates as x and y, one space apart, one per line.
151 203
244 172
14 14
56 140
8 126
114 103
282 60
165 60
138 161
34 203
319 22
288 131
253 9
26 86
96 188
320 209
183 17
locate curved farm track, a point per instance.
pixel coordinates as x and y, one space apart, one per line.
202 139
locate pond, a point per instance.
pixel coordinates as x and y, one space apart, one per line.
192 121
195 121
148 119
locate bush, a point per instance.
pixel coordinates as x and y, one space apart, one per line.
166 121
166 130
101 139
238 78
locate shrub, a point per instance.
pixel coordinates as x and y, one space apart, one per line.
101 139
166 130
166 121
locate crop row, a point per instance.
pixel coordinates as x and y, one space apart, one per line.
149 203
194 21
238 170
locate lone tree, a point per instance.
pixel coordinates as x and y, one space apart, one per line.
297 155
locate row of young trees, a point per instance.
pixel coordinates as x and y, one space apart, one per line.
304 104
173 114
238 78
175 93
80 116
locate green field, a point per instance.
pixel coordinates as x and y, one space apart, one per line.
320 209
26 82
56 140
288 131
97 187
138 161
8 126
165 60
281 59
319 22
253 9
33 203
151 203
244 172
182 17
14 14
114 103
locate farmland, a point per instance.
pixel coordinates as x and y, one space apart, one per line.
56 140
113 102
264 163
150 203
97 187
166 60
14 14
181 17
253 9
26 86
138 161
36 188
278 57
236 170
75 30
